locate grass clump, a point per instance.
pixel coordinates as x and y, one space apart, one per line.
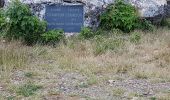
103 44
141 75
92 80
135 37
118 91
12 58
11 98
28 89
29 74
153 98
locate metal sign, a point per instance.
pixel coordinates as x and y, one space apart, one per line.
66 17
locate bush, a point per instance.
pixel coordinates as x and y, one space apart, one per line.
22 24
53 36
86 33
121 15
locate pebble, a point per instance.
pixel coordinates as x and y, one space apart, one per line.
111 82
1 88
3 41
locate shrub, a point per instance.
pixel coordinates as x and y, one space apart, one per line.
22 24
86 33
123 16
53 36
119 15
135 37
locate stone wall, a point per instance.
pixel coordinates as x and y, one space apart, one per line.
93 8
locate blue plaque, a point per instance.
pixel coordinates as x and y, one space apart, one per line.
70 18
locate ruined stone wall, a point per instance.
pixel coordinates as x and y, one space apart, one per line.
93 8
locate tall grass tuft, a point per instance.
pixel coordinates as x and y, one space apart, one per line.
13 57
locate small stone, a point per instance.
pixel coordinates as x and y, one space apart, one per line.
111 81
3 41
1 88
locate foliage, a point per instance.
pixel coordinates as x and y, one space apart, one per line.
119 15
135 37
22 24
145 25
123 16
28 89
53 36
86 33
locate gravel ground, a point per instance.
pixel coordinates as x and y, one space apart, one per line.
72 86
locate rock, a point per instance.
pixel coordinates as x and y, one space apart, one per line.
93 8
149 8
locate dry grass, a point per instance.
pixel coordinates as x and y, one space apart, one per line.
12 56
118 92
148 59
